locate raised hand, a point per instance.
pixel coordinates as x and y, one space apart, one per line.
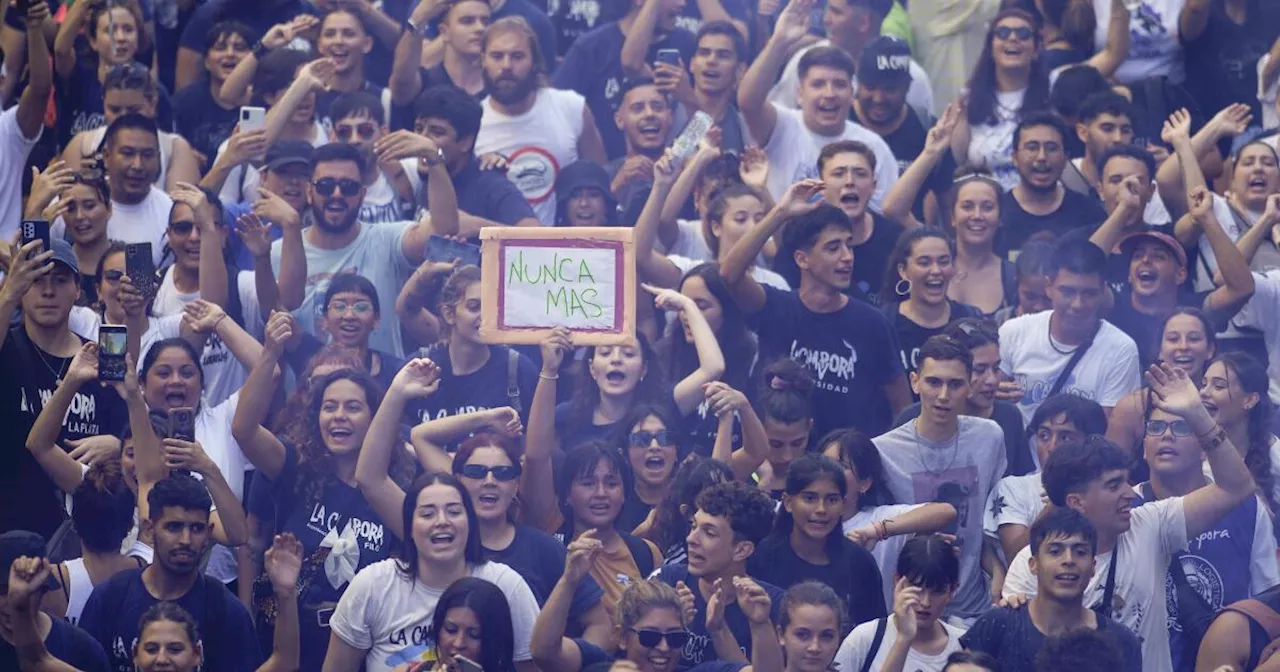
193 197
906 600
1200 203
29 264
672 79
669 299
244 146
131 299
54 210
129 388
723 399
715 606
419 378
505 420
189 455
202 316
27 579
427 10
321 73
938 140
752 600
283 562
48 185
687 602
1131 194
800 198
665 170
279 330
793 23
1233 119
272 208
1173 392
1177 128
753 168
84 366
255 234
866 536
405 145
94 449
554 347
582 553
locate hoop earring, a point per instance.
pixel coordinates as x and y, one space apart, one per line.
897 288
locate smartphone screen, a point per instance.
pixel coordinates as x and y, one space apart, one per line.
112 341
671 56
446 250
182 424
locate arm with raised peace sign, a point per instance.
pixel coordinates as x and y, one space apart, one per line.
551 649
1173 392
688 393
902 195
735 265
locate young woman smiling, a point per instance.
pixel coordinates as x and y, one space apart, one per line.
1234 392
983 279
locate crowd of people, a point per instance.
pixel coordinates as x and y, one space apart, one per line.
957 345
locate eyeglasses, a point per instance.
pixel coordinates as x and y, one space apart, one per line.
364 131
360 307
325 186
182 228
1159 427
642 439
649 638
1005 32
504 474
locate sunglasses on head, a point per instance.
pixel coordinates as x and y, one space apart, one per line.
649 638
643 439
364 131
1022 33
325 186
504 474
182 227
1159 427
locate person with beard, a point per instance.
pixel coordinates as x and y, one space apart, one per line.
386 254
1064 561
848 170
537 128
345 39
37 351
462 31
450 117
1104 121
202 115
794 138
855 26
720 58
176 512
602 60
358 119
1137 543
1040 202
644 117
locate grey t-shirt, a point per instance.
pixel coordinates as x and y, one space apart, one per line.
961 472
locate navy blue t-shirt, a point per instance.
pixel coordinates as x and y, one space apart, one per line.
114 609
201 120
852 573
911 335
489 194
67 643
487 387
593 68
338 507
539 559
699 649
852 352
1010 636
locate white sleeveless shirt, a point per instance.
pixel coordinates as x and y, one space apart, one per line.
538 144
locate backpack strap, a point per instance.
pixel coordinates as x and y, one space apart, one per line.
882 624
1259 612
640 553
513 385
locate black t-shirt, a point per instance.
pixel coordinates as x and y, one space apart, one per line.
699 649
79 99
852 573
115 607
571 19
870 260
911 335
28 498
1222 62
907 141
67 643
1017 452
1010 636
201 120
338 507
852 353
1017 225
487 387
1145 329
539 559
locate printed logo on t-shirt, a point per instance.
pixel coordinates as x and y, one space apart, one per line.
84 408
533 170
955 485
839 365
1203 578
415 646
1038 391
1148 36
369 533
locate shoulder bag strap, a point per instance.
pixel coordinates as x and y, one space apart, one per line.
1109 592
882 624
1071 363
513 385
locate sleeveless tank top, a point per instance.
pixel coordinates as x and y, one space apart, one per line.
76 586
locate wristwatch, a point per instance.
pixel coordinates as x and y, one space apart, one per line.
420 31
259 50
433 161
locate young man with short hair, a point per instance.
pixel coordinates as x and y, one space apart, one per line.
848 172
1043 351
794 138
730 522
1105 122
720 58
1017 501
944 456
1136 545
644 117
1066 547
36 354
450 118
1040 202
462 29
179 522
201 114
848 344
359 121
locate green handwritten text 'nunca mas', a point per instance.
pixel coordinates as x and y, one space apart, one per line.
557 277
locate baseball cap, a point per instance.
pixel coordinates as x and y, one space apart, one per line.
15 544
62 254
885 62
1131 241
287 152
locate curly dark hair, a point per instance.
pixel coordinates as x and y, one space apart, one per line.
290 423
695 474
749 510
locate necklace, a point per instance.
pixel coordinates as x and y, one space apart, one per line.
57 375
1053 344
920 452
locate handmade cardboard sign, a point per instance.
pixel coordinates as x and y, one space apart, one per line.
534 280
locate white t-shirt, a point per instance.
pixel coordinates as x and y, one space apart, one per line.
886 552
382 204
1016 500
15 148
786 92
143 222
213 431
854 649
991 145
1156 531
1262 312
1154 47
793 153
538 144
387 615
242 181
377 254
1107 372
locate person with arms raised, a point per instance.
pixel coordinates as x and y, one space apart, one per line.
849 343
22 124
